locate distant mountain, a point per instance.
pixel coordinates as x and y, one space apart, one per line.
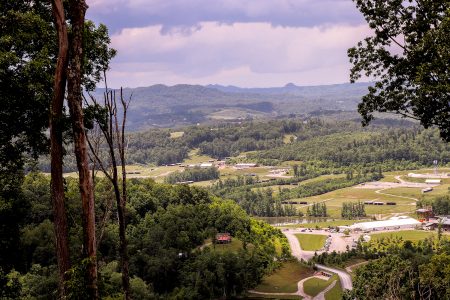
169 106
292 89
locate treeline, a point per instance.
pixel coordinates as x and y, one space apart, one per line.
193 174
352 210
390 148
440 205
167 230
317 210
326 185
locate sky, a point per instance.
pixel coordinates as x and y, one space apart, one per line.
247 43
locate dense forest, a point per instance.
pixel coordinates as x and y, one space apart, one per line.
168 227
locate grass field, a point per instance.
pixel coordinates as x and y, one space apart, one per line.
195 158
311 242
285 279
335 293
314 286
176 134
234 246
288 137
406 235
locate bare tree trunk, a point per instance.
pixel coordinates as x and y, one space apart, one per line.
114 135
77 13
120 135
56 144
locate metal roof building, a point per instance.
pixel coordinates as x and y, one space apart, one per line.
394 222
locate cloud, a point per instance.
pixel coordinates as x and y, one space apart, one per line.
245 54
119 14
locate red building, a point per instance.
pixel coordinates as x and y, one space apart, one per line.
223 238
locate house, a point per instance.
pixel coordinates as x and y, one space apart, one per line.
223 238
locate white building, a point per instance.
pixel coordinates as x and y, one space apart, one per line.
206 165
392 223
433 181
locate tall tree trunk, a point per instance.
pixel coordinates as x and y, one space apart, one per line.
123 222
56 144
77 13
115 136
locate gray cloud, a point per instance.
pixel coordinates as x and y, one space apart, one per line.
119 14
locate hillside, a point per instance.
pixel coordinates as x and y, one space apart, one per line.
169 106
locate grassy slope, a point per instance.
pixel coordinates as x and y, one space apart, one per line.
285 279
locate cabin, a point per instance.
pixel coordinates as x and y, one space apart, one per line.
378 203
223 238
391 203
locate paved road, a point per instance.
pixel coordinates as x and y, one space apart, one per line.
344 277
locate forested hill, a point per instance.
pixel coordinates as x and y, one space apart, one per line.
168 106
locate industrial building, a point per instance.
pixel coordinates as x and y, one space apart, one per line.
392 223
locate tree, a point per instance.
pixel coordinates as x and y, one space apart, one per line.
114 136
409 57
56 146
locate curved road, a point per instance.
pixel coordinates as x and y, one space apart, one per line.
296 250
344 277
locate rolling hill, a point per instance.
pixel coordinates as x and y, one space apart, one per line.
170 106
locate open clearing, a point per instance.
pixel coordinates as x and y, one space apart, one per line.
311 242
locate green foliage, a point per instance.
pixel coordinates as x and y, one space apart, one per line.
317 210
352 210
76 285
194 174
408 55
28 52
